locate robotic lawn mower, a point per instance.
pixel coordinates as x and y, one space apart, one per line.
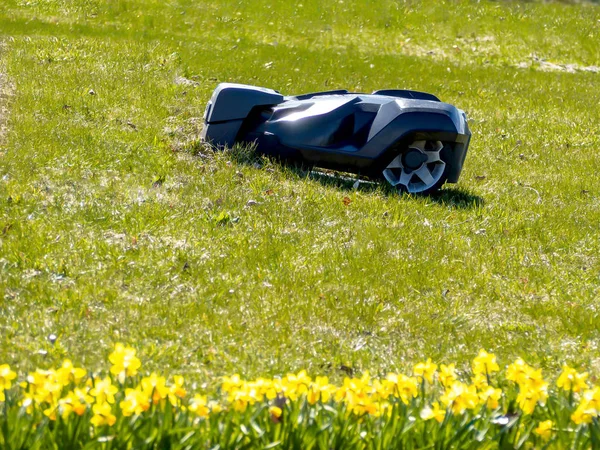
412 139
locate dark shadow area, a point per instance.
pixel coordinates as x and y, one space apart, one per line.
458 198
451 197
343 182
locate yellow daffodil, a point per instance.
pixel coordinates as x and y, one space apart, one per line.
6 377
248 393
426 370
124 362
68 393
136 402
240 404
362 384
320 389
27 402
480 381
588 408
104 390
584 414
51 412
102 415
275 411
371 408
533 389
361 403
354 386
447 375
176 390
199 406
517 371
215 407
269 388
155 387
77 401
571 380
433 412
490 397
230 383
43 386
460 397
294 385
68 373
530 396
485 363
341 393
407 388
262 387
544 429
401 386
592 397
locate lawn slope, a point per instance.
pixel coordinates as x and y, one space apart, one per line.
117 225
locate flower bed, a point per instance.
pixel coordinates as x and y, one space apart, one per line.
435 407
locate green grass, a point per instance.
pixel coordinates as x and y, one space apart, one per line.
117 225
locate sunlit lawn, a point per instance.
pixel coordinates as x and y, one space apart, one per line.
117 225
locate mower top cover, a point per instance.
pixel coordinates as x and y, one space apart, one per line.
412 139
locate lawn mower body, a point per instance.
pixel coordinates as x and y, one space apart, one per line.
411 138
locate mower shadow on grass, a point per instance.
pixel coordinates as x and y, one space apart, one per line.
452 197
457 198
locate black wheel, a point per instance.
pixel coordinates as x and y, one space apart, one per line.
420 169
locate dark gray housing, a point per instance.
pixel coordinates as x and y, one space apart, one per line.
412 139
